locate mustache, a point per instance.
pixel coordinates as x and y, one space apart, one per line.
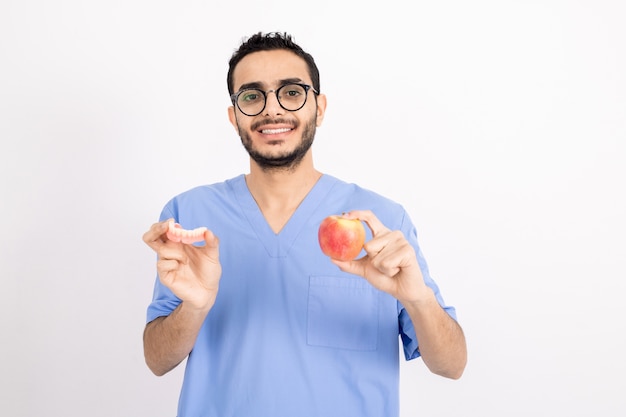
264 122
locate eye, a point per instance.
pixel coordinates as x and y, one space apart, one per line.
250 96
291 91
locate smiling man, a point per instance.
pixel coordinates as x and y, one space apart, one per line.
285 139
268 324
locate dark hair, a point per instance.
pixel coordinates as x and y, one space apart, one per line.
269 42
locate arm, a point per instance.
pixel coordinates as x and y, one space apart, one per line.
192 273
169 339
391 265
441 339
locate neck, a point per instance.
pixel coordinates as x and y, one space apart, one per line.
282 186
279 192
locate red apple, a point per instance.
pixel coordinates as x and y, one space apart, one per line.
341 238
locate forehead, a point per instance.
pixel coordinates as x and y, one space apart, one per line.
269 67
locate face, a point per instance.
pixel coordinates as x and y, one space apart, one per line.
276 138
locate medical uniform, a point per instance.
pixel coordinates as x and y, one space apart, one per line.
290 334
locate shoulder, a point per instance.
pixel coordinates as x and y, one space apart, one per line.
356 197
215 194
218 188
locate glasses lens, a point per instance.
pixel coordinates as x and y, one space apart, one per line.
251 102
292 96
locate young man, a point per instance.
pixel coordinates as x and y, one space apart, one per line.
269 325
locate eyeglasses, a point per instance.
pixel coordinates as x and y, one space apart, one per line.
291 97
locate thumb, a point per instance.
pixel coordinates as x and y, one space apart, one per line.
355 267
211 245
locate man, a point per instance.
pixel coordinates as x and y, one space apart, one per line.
268 324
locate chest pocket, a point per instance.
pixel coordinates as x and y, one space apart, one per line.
342 313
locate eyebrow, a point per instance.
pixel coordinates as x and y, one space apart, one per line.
259 85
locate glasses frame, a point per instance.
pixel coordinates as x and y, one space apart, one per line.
235 97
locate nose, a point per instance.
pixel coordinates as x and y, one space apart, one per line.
272 106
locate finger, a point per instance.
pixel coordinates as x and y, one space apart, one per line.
167 265
174 251
154 236
360 267
386 240
167 271
370 219
397 255
387 262
355 267
211 245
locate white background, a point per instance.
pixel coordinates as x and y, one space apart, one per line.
499 125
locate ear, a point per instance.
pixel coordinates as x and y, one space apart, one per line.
233 117
321 109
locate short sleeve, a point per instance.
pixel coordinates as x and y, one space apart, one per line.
163 299
407 330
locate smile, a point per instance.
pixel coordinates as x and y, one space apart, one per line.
274 131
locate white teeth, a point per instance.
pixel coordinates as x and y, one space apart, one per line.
190 233
178 234
274 131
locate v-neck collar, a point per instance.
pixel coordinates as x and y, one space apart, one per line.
278 244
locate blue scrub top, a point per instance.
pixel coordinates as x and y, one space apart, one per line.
290 334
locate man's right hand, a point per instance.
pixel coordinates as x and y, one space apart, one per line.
191 272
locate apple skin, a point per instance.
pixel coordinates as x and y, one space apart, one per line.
341 238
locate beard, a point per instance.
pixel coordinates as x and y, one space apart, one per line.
286 160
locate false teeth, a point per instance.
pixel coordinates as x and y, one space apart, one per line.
176 233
